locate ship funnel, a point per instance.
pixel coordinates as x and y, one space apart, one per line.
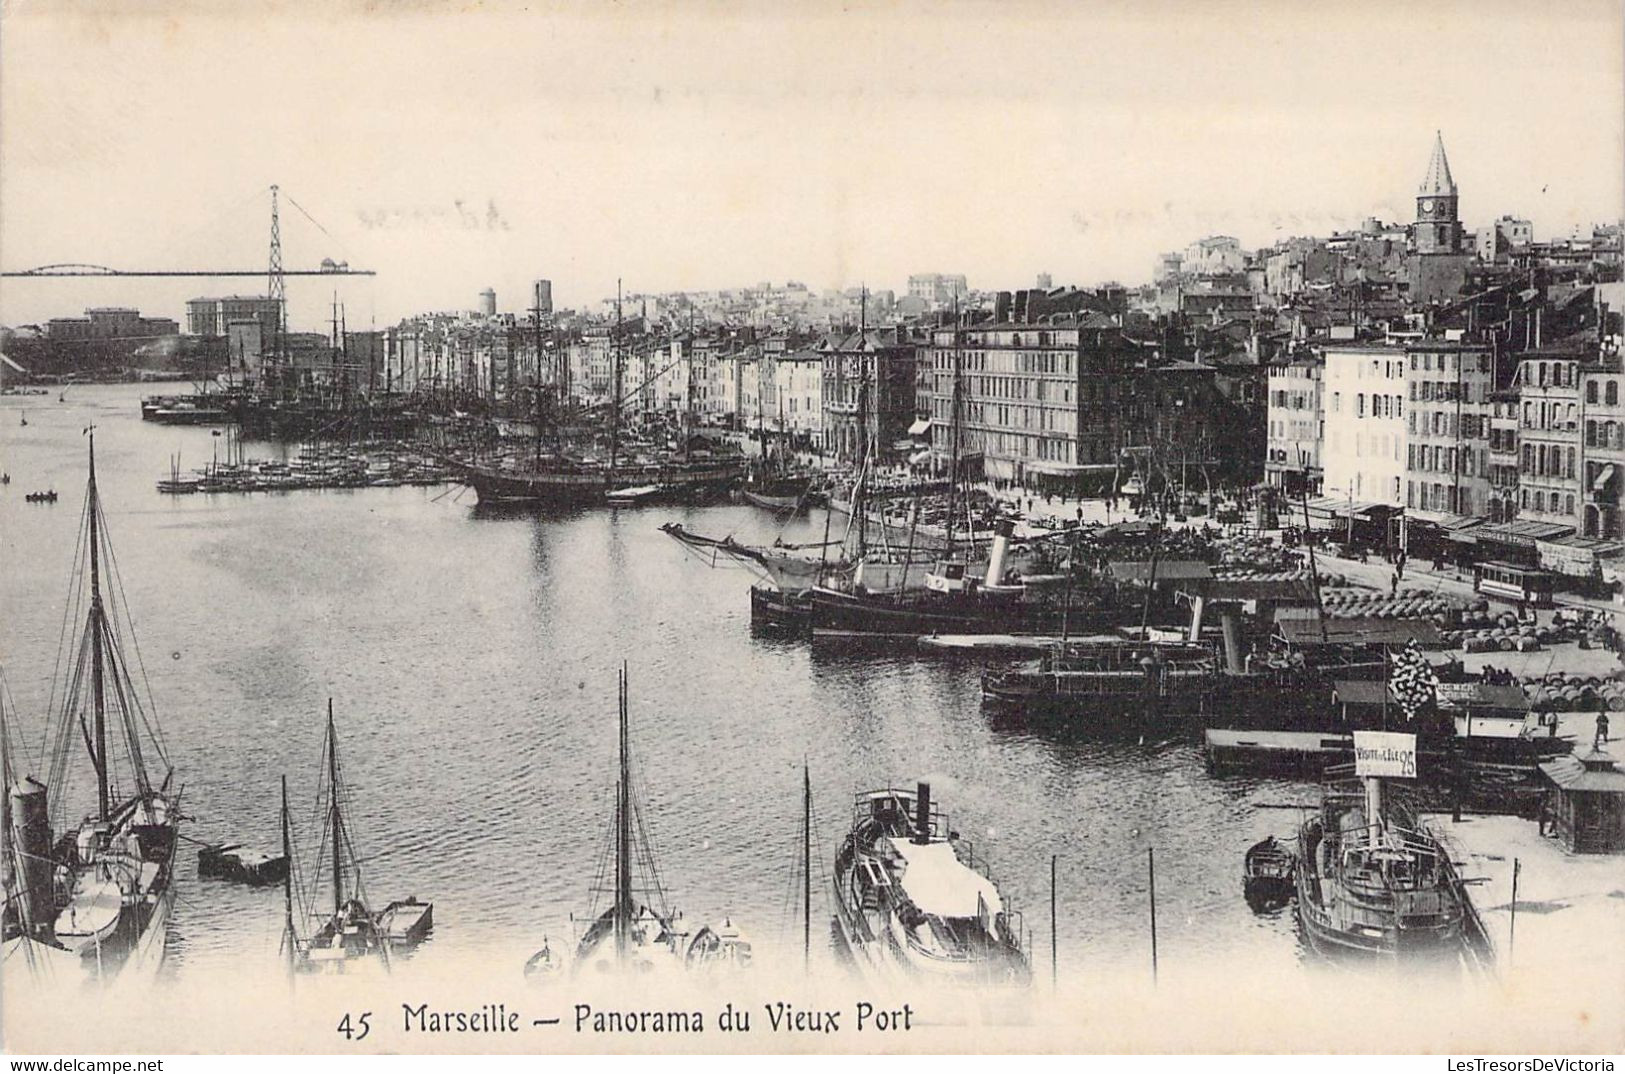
1001 543
1230 621
31 843
922 814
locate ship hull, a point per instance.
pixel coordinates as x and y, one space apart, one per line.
780 611
592 487
837 614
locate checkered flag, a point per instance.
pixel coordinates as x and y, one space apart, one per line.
1411 679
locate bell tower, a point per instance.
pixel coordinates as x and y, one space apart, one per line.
1437 229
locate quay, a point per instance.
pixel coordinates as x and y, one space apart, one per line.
1570 916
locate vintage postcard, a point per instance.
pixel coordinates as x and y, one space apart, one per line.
898 528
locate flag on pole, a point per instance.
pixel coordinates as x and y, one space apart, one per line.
1412 680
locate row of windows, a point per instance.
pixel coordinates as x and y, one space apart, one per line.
1440 423
1604 434
1610 392
1437 497
1294 400
1548 460
1447 362
1539 501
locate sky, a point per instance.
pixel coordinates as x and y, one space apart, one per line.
692 146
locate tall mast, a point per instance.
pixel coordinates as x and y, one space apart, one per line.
333 810
806 866
953 433
623 841
615 392
287 879
536 315
96 613
860 506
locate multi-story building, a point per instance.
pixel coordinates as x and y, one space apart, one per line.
1216 255
1549 430
110 323
1503 502
798 388
1448 414
1602 450
867 382
213 316
936 289
1363 397
1066 399
1295 425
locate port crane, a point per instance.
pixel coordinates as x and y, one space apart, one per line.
275 271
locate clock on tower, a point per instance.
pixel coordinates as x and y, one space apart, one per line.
1437 229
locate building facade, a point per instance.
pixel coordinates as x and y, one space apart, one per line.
1295 426
1449 407
1363 391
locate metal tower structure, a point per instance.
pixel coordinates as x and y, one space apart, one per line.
276 286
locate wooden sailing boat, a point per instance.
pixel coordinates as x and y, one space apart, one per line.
349 936
628 935
101 893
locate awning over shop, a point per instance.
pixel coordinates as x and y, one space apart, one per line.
1442 521
1068 469
1340 507
1359 631
1290 591
1522 533
920 428
1604 476
1576 556
1167 570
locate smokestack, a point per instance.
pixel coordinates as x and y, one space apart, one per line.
922 814
1001 542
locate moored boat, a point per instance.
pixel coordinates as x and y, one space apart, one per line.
912 902
1267 875
1371 881
349 938
628 935
100 893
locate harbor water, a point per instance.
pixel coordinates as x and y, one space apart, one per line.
471 658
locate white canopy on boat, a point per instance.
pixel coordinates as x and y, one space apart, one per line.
937 882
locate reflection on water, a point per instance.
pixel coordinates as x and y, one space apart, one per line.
471 655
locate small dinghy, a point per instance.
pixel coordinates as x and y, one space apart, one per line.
721 947
544 966
406 922
1267 875
231 861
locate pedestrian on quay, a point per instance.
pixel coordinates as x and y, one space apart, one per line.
1393 584
1601 738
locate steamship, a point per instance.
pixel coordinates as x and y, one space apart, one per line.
912 901
96 898
955 601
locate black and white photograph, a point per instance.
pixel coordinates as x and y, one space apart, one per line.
714 527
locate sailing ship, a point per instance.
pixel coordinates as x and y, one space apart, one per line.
100 894
912 902
565 478
349 936
628 935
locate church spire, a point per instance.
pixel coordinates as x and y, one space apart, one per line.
1438 182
